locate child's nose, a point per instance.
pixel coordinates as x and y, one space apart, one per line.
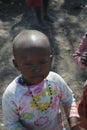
36 68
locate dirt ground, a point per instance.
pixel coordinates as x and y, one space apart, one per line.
70 23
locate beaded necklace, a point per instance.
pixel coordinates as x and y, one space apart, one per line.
37 104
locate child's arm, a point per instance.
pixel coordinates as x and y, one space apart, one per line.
80 56
70 106
10 114
67 99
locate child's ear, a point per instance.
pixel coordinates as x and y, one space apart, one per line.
15 63
51 57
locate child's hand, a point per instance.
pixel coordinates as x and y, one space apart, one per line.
84 58
77 128
74 123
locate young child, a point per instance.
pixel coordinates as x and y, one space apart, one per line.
32 100
37 5
80 57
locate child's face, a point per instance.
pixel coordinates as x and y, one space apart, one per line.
34 65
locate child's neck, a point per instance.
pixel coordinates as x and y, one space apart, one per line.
24 82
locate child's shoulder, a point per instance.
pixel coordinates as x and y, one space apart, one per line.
53 74
57 80
55 77
13 88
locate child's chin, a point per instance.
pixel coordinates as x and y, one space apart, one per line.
37 81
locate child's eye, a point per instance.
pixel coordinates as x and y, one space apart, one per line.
27 65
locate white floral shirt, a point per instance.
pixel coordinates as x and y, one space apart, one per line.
36 107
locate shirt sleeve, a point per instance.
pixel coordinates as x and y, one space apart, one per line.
82 48
10 114
68 100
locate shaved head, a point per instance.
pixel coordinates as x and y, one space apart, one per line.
31 50
29 40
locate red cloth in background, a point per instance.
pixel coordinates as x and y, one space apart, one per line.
34 3
82 108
